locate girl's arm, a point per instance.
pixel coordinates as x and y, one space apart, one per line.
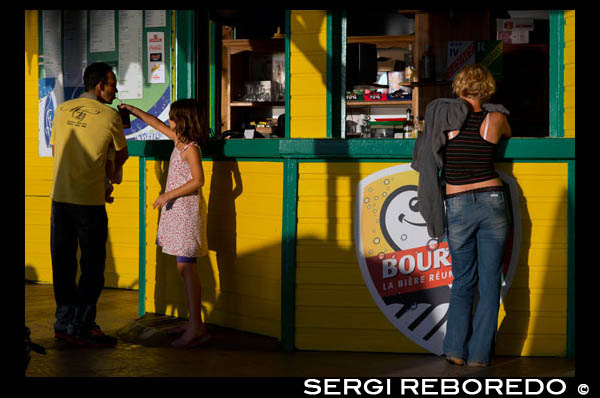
192 156
151 120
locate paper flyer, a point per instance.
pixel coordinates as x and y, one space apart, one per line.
102 31
130 75
51 32
156 18
75 49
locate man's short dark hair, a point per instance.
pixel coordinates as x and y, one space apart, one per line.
94 74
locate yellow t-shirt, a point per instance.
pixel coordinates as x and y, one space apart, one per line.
82 130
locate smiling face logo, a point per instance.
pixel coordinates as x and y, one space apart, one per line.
401 222
409 274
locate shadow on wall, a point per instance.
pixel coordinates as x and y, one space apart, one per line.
110 273
515 325
170 297
519 306
31 274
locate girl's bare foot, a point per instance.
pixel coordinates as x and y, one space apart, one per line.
192 337
177 330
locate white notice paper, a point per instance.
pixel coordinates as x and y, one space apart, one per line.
156 18
156 57
75 44
102 31
52 44
130 75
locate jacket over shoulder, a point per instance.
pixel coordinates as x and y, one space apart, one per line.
441 115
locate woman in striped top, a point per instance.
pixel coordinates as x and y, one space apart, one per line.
477 223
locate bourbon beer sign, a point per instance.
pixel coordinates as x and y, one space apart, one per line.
409 274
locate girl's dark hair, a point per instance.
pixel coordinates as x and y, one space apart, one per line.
190 121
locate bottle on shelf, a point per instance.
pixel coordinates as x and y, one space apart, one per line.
420 127
409 71
409 125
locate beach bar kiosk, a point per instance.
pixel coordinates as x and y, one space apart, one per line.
306 108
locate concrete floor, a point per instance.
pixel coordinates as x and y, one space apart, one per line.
234 353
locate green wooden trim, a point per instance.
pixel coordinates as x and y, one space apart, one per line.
288 37
335 74
343 42
571 261
329 77
384 149
557 67
142 239
288 254
212 94
185 52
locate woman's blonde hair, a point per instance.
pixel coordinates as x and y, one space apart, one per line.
474 81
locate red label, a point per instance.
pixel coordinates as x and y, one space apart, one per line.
411 270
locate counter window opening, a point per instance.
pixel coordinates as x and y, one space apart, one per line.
383 49
375 55
249 82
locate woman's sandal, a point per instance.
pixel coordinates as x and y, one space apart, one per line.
195 342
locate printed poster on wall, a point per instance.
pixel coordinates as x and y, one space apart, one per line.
155 18
130 75
156 57
102 31
51 86
75 45
409 274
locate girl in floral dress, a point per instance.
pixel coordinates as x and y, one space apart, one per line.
182 223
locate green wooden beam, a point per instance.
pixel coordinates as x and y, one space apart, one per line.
335 73
288 83
142 238
557 68
288 254
185 52
212 95
518 149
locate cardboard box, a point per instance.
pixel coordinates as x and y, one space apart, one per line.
514 31
485 52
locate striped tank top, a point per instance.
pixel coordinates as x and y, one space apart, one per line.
468 157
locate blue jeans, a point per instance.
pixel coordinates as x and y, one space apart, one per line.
478 226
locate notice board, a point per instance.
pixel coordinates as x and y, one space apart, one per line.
136 43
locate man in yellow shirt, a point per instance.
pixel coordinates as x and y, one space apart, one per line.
82 130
